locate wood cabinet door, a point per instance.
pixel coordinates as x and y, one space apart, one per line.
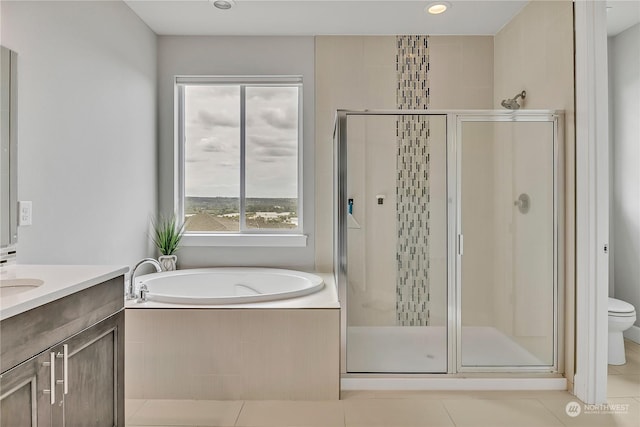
23 399
95 375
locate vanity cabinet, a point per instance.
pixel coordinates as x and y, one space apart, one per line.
22 402
85 364
93 378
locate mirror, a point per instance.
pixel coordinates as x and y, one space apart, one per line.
8 146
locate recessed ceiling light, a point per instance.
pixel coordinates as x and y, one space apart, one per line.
438 7
223 4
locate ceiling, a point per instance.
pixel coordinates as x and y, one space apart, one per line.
364 17
622 14
315 17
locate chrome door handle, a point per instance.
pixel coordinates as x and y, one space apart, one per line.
52 367
65 367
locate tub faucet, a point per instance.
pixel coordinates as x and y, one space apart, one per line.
131 291
143 293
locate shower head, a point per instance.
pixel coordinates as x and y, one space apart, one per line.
512 104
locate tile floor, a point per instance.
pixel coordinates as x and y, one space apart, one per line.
404 409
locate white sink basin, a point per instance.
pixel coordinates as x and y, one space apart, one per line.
10 287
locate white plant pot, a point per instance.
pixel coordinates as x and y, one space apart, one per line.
168 262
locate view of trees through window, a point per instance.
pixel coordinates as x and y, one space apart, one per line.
221 119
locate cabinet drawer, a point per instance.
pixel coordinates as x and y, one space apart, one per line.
36 330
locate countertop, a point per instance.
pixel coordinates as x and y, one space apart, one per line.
59 282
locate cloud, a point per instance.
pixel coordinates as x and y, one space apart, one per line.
281 118
211 145
278 152
271 141
218 119
267 160
271 93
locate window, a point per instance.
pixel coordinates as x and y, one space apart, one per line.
239 145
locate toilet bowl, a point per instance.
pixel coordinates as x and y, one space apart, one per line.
622 316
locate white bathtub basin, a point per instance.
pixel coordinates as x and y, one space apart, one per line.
231 285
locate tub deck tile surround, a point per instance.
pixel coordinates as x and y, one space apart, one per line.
232 354
272 350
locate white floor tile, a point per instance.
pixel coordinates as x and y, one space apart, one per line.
500 413
396 413
187 413
131 407
277 413
623 385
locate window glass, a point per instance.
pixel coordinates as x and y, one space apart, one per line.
240 155
271 157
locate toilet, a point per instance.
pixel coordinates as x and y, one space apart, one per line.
622 316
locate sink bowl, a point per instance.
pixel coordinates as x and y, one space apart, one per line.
10 287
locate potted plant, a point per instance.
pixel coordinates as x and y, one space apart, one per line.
167 233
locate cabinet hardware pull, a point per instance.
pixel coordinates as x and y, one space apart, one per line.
52 368
65 365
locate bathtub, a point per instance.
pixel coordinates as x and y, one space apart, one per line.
228 285
239 347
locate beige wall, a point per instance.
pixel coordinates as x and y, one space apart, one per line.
461 77
534 52
461 72
352 72
360 73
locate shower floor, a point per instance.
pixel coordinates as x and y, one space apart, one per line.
406 349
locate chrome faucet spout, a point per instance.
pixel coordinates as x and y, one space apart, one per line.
131 290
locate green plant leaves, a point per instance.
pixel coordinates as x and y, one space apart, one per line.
167 234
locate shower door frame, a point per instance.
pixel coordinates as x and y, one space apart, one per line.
542 116
454 119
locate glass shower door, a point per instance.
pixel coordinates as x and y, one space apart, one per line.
396 232
507 267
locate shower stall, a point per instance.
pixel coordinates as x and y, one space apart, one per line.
447 241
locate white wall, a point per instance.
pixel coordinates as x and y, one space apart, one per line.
237 56
87 129
624 58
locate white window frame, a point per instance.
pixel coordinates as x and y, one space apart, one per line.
243 237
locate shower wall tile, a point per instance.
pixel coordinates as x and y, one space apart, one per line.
359 72
535 51
461 72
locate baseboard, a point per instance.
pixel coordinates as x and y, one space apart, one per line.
448 384
633 334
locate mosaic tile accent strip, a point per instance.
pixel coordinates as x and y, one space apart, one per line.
412 185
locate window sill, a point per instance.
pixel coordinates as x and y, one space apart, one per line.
256 240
